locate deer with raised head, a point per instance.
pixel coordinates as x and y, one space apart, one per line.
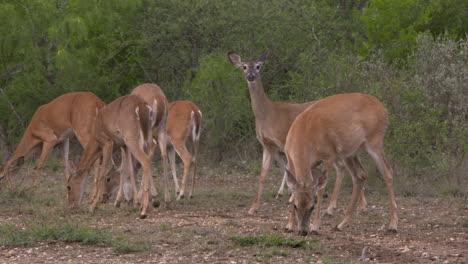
183 125
272 123
54 123
127 121
335 128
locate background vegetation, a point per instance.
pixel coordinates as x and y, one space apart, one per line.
411 54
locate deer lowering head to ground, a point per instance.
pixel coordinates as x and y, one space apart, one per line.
54 123
127 121
272 123
335 128
183 125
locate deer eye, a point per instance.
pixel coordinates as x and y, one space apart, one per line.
258 67
295 207
244 67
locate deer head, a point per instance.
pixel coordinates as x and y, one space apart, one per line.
305 199
251 69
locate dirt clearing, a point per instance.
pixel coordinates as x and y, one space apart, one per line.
202 230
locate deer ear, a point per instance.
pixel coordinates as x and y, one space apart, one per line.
264 56
235 59
291 181
322 179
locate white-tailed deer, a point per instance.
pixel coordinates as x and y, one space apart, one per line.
127 121
335 128
183 124
272 123
53 123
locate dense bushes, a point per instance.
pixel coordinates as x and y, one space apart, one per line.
412 55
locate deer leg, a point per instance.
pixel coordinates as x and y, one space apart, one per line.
162 141
47 146
318 207
145 161
172 162
377 154
132 174
66 151
291 221
187 160
265 167
95 180
101 181
340 171
359 177
195 146
123 174
282 165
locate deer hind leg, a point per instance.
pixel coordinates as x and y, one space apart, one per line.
340 171
172 162
282 165
186 157
162 141
195 146
377 154
359 177
145 161
123 174
261 180
66 151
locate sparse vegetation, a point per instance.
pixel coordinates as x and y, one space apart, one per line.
269 241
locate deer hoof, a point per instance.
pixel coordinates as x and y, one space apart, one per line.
314 232
392 231
142 216
336 229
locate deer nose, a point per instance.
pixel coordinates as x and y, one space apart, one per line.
250 77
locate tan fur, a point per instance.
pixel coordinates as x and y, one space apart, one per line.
53 123
333 129
272 123
117 125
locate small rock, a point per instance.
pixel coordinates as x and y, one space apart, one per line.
424 255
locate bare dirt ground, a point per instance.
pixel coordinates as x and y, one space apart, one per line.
431 230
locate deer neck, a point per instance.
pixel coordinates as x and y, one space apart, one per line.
261 104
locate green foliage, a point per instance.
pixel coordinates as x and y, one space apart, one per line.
34 232
268 241
411 54
220 88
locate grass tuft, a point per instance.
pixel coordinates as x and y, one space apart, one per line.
268 241
10 235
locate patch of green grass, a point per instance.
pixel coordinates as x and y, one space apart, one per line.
268 241
32 233
465 223
123 245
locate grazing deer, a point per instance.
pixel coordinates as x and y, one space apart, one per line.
55 123
183 124
127 121
335 128
272 123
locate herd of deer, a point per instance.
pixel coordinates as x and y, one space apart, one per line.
329 131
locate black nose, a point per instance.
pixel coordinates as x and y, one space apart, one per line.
250 77
302 233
